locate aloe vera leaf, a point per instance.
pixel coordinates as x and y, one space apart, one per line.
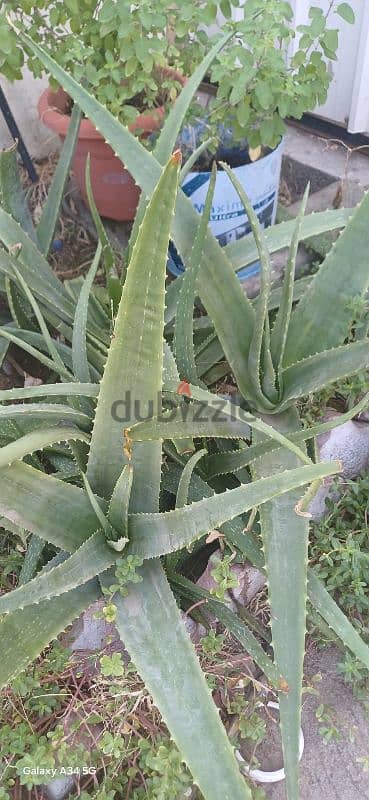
51 210
233 624
36 340
150 625
158 534
336 619
185 479
37 440
261 328
12 195
24 634
170 373
19 309
119 503
31 559
54 355
94 556
217 280
50 390
183 330
317 371
48 362
282 320
231 410
176 116
208 353
112 278
189 419
234 530
16 239
45 292
135 370
58 512
285 543
244 251
81 367
61 513
173 124
323 317
221 463
191 161
48 412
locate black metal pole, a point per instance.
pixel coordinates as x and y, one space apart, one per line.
16 134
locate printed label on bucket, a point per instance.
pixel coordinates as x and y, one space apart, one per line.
228 219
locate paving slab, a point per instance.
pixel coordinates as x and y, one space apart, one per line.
329 771
335 158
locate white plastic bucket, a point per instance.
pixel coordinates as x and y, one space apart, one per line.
228 219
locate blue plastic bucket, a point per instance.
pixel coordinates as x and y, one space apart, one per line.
228 219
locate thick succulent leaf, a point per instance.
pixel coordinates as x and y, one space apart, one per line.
285 543
62 514
234 530
323 317
37 440
336 619
56 511
24 634
135 361
217 282
151 628
51 209
317 371
235 413
54 355
221 463
31 559
50 390
190 419
186 476
191 161
93 557
233 624
46 292
119 503
48 412
81 367
112 278
183 331
282 320
158 534
167 138
12 195
37 354
259 355
244 251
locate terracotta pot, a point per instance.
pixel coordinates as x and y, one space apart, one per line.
115 192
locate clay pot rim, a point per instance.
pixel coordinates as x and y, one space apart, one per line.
52 107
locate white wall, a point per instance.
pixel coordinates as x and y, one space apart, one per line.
348 98
22 97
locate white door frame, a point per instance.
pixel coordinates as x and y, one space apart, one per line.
359 113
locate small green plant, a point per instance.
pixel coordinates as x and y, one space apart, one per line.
328 724
224 578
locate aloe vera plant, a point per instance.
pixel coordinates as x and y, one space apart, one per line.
119 498
117 512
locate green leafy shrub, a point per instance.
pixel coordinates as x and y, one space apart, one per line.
119 52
